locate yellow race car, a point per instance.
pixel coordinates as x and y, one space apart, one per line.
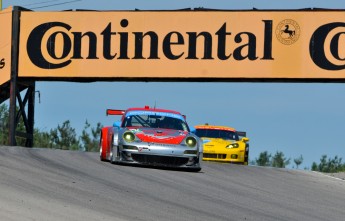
223 144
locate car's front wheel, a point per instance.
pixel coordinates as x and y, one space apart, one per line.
246 155
114 152
111 156
101 154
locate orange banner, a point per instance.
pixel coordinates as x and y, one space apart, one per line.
5 45
183 44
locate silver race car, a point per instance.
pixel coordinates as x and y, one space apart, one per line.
152 137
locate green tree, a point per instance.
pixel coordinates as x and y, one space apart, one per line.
4 126
91 142
335 165
264 159
322 167
64 137
4 116
278 160
298 161
42 139
329 166
314 167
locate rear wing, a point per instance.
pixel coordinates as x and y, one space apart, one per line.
115 112
242 133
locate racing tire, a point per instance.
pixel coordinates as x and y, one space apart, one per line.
112 157
101 150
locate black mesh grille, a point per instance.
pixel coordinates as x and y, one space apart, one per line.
214 156
159 160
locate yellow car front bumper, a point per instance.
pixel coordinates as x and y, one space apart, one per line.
225 156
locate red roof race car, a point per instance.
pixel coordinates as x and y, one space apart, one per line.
150 136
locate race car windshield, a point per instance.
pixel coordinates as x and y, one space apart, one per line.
155 121
223 134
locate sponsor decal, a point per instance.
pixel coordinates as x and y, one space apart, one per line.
44 37
5 44
288 31
161 144
326 46
211 151
2 63
140 149
136 130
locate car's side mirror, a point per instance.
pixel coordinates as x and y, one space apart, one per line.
117 124
245 139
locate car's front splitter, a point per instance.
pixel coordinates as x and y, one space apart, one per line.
169 161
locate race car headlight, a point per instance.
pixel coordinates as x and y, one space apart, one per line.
233 145
128 136
191 142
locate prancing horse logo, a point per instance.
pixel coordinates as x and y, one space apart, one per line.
291 33
288 31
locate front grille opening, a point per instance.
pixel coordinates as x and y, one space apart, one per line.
159 160
214 156
129 147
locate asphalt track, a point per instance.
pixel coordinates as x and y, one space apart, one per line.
46 184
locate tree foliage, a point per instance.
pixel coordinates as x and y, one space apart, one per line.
298 161
329 166
4 119
89 141
279 160
4 126
63 137
264 159
42 139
